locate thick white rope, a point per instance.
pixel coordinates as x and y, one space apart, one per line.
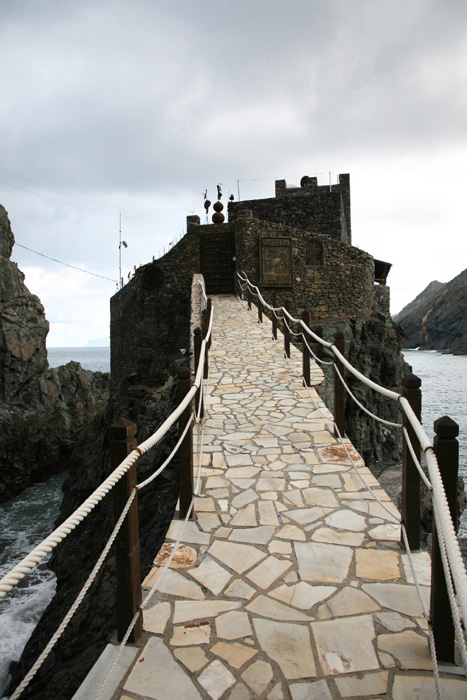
315 357
169 458
289 328
416 462
79 599
49 543
456 563
426 614
59 534
450 590
369 413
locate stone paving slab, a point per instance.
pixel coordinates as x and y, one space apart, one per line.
291 583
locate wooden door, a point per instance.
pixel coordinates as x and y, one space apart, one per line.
218 261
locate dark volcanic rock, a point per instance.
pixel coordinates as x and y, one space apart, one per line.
438 321
23 324
42 411
40 427
373 347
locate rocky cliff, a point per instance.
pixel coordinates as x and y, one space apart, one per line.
437 318
373 346
42 410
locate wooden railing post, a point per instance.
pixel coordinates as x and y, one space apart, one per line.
305 352
339 391
410 496
197 341
209 310
447 451
205 328
274 318
122 442
186 447
286 332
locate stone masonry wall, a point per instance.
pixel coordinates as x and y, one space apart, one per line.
313 208
342 287
150 317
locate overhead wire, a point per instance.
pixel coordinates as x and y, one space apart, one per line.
80 269
81 206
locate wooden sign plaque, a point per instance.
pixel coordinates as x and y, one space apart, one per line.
276 261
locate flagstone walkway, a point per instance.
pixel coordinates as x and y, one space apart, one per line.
290 583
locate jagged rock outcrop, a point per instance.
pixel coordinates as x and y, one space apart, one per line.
437 318
42 410
430 292
373 347
23 326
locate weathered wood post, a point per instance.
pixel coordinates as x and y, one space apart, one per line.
305 351
339 391
205 328
197 342
447 451
286 331
209 310
410 496
186 447
274 318
122 442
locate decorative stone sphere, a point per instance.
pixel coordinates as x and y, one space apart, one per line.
218 217
218 206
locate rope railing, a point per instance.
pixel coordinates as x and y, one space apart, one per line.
453 561
60 533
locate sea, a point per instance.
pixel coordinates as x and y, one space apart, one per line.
27 519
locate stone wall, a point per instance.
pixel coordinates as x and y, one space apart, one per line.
150 317
343 286
323 210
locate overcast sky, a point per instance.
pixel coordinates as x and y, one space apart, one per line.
138 106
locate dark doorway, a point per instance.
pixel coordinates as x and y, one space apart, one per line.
218 261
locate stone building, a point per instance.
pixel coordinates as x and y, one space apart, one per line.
296 244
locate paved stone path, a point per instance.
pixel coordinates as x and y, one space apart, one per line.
291 583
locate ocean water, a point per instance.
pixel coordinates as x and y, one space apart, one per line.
96 359
444 392
26 521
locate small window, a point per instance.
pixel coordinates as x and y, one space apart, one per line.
314 253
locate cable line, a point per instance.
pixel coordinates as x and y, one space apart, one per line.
93 201
94 274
